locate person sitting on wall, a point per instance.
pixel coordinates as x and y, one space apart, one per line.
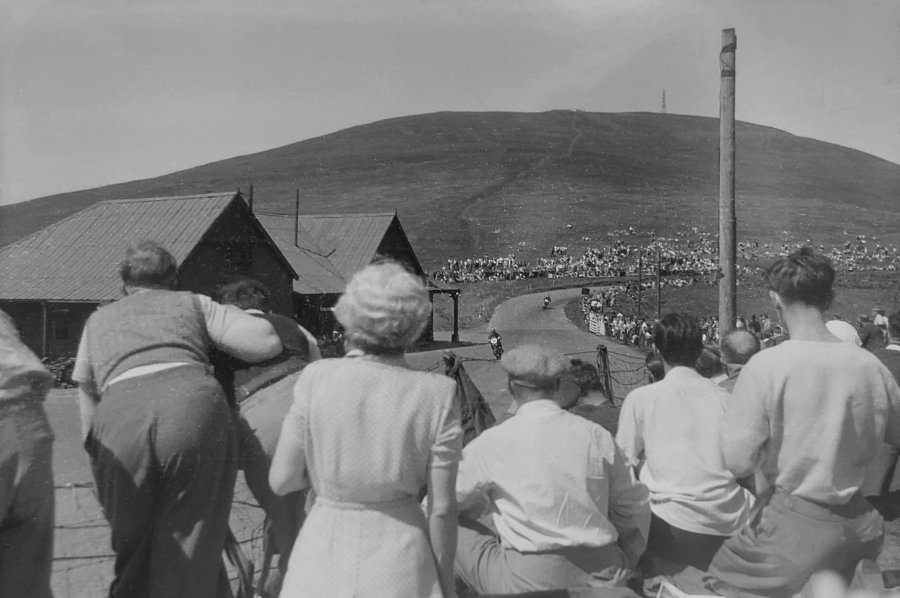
668 430
590 400
810 414
565 504
263 393
738 346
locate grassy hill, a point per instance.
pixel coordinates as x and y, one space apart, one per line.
498 182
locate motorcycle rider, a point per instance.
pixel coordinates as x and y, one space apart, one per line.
547 301
496 343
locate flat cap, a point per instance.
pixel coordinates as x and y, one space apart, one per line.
534 366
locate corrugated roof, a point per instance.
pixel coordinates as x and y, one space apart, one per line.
349 240
77 259
316 274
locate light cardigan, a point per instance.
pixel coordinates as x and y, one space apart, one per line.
814 414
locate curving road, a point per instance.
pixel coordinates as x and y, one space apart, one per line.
522 320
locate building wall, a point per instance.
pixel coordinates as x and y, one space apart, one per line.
395 245
65 322
234 249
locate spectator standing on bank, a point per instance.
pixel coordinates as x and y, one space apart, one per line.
26 470
367 434
262 394
158 428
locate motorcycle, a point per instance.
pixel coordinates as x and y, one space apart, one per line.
546 303
496 347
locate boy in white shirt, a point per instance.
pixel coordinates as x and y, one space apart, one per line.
810 414
670 430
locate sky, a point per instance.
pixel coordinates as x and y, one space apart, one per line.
94 92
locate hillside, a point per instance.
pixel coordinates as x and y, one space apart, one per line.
493 183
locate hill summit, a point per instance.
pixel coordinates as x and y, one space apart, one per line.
494 183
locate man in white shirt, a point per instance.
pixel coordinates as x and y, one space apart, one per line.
810 414
566 506
670 430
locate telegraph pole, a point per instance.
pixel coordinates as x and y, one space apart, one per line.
640 280
297 219
727 220
658 284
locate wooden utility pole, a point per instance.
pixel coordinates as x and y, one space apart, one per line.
727 220
658 284
297 219
640 280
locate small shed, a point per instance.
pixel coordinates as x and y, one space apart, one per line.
52 280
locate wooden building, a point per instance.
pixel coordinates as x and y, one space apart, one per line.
327 249
52 280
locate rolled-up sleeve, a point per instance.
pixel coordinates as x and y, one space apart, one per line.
628 434
629 507
473 482
83 372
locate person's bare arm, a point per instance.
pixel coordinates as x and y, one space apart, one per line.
442 522
87 407
239 334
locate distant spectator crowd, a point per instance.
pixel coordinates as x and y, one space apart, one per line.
688 257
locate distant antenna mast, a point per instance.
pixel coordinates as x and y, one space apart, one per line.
663 110
297 219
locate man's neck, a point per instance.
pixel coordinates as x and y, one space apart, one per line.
805 323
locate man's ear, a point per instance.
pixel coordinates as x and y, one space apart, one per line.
775 299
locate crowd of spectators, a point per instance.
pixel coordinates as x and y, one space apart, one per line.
688 257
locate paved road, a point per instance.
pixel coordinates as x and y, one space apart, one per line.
83 567
522 320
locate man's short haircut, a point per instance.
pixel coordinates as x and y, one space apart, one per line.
894 325
805 277
709 364
738 346
585 375
678 339
655 366
247 293
148 264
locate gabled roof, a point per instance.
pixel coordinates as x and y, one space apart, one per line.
77 259
349 240
316 274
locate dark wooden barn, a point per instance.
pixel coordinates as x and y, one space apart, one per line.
52 280
327 249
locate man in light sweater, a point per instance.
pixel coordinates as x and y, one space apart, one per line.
669 430
810 413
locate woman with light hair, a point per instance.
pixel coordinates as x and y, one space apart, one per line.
367 433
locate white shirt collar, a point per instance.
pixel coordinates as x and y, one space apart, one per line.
893 347
254 311
539 406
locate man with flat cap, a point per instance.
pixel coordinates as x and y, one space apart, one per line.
566 507
738 346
